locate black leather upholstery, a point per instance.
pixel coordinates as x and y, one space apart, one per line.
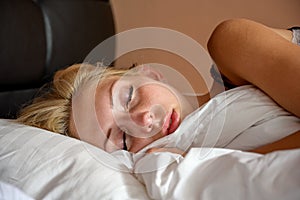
39 37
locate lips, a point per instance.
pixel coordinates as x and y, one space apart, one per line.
171 123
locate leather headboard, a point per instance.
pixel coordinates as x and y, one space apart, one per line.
39 37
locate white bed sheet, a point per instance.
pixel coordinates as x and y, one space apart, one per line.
243 118
10 192
222 174
46 165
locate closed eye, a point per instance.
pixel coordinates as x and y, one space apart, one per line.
130 92
107 138
124 141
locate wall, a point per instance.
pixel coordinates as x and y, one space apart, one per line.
197 19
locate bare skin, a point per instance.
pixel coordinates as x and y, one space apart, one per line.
289 142
265 57
247 52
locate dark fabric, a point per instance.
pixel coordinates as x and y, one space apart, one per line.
22 40
11 101
74 29
220 78
39 37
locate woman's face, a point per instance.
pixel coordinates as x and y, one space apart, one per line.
132 112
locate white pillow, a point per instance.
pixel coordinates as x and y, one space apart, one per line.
47 165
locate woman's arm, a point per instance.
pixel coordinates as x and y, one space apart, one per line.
249 52
290 142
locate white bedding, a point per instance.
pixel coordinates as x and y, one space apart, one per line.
45 165
10 192
223 174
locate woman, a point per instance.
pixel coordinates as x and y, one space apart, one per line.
85 101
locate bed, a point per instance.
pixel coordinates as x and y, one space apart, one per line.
38 164
46 165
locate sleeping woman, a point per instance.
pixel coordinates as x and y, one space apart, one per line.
117 109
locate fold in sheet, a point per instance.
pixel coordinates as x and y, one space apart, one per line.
223 174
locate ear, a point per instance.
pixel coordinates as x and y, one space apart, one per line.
150 72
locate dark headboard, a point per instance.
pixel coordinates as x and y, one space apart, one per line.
38 37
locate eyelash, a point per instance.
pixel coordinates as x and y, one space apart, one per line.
127 104
129 96
124 141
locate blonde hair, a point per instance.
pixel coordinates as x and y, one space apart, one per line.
52 110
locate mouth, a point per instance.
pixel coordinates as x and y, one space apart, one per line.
171 123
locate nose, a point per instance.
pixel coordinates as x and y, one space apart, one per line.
144 119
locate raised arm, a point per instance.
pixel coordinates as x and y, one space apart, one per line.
249 52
